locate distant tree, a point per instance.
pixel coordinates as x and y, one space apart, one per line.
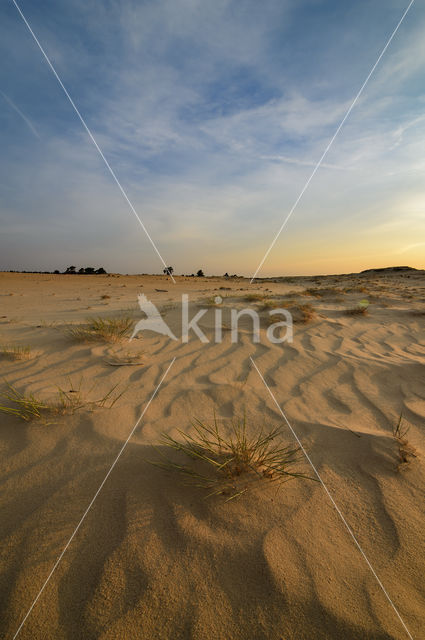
81 270
226 275
56 271
89 270
200 273
70 269
100 270
169 271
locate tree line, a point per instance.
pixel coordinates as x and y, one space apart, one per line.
83 270
200 274
170 270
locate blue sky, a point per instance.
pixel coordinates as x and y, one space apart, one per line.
212 115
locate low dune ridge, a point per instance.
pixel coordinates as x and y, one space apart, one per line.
155 558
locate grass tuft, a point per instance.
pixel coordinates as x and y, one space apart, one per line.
102 329
405 450
356 289
360 310
312 291
301 313
27 407
320 292
24 406
211 302
274 304
228 465
15 352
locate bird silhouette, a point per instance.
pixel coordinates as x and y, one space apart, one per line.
153 321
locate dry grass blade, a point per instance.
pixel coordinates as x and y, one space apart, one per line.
228 462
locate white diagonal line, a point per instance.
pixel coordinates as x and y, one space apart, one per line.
93 499
83 122
331 141
347 526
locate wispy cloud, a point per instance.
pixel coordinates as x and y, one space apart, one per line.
302 163
21 114
211 115
410 247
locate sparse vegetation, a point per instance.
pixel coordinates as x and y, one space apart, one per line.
360 310
126 359
274 304
320 292
15 352
254 297
101 329
358 289
405 450
228 465
301 313
27 407
312 291
213 301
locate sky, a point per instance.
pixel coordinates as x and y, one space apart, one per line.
212 116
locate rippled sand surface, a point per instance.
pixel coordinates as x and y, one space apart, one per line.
154 558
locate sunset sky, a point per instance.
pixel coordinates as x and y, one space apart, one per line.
213 115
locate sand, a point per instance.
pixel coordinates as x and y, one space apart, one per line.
154 558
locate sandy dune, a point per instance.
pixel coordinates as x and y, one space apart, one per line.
153 558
